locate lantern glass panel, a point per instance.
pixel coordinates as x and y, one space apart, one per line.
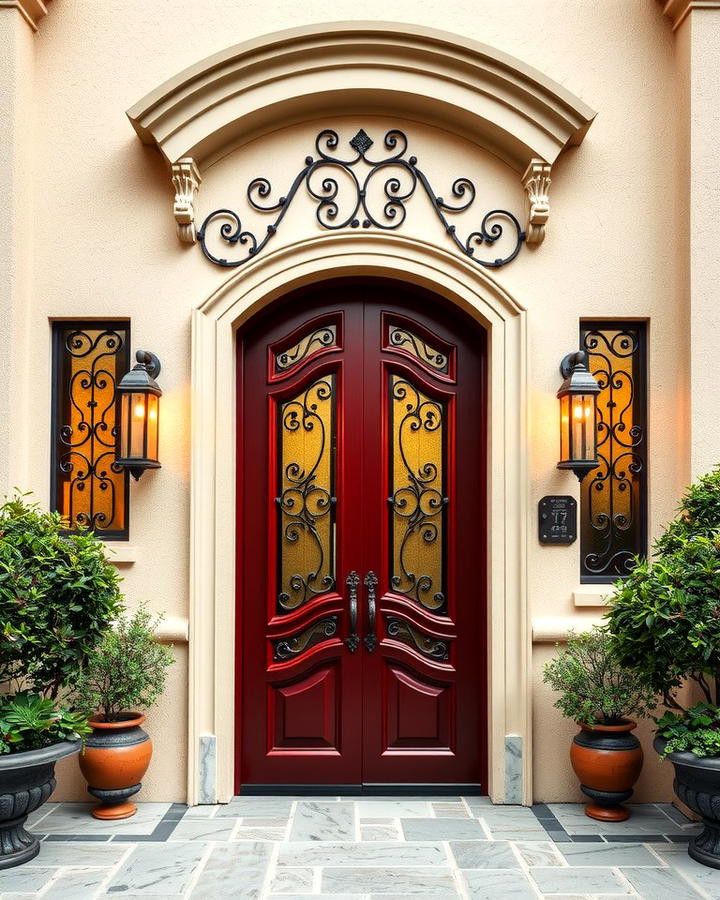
565 427
138 418
153 416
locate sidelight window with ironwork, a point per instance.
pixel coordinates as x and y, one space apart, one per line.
87 487
613 526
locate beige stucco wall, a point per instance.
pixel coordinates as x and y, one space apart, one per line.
104 245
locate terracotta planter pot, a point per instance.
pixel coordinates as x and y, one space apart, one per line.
116 756
608 760
26 782
697 784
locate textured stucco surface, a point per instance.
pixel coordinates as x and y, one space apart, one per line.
103 244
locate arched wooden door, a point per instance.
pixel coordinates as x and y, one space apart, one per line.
362 541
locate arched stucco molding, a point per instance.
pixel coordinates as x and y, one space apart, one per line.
212 582
464 87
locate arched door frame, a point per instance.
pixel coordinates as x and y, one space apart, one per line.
211 750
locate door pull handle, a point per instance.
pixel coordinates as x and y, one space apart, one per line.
370 639
352 641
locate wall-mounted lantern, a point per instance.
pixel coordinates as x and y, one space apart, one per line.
139 415
578 410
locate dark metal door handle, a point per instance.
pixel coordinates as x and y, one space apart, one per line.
352 641
371 581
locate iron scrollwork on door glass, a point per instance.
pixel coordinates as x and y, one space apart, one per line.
402 631
417 501
88 488
306 518
404 338
287 648
323 176
317 339
614 496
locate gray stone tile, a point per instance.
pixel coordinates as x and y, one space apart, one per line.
158 869
489 884
255 807
24 879
379 833
561 880
393 809
703 877
660 884
202 812
484 855
203 830
291 880
522 815
322 821
75 818
442 829
378 854
669 810
233 870
73 884
78 853
512 835
319 896
248 833
476 802
608 855
450 810
539 853
45 810
436 882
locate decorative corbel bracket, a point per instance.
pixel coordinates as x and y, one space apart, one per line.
536 182
186 181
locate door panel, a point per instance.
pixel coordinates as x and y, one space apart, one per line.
361 478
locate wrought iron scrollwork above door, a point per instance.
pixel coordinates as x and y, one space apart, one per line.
320 176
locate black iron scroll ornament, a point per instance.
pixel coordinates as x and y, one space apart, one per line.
318 176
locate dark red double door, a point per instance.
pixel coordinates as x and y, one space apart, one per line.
361 543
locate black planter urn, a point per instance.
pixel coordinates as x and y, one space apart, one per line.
697 785
26 781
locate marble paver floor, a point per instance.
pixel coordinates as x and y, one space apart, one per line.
292 848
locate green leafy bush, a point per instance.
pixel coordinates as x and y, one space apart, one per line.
665 616
58 594
594 688
29 722
696 731
127 670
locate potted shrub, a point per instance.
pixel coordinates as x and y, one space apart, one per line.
57 595
599 694
665 619
125 674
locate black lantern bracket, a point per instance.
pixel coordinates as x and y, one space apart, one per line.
400 178
149 361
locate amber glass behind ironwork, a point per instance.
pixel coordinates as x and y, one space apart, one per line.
306 502
614 496
417 494
88 488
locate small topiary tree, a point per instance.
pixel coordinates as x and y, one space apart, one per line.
594 688
127 671
665 616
